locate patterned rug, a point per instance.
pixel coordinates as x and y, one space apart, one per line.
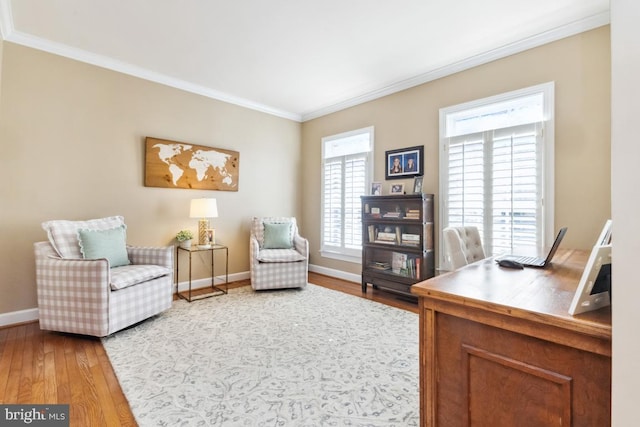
311 357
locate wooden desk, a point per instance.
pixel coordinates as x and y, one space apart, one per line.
498 348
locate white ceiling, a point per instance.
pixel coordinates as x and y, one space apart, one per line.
295 59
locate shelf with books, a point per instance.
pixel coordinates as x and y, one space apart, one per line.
398 239
382 207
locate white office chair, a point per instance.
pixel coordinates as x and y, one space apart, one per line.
462 246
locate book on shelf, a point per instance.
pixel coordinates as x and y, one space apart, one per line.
398 262
391 215
410 239
386 237
385 242
412 214
380 265
404 265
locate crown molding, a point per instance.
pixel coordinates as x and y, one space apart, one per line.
6 19
9 34
143 73
568 30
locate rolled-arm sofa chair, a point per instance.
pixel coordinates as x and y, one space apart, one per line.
90 282
279 256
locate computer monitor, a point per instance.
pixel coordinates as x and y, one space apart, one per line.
594 289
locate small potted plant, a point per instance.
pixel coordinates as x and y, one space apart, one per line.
184 238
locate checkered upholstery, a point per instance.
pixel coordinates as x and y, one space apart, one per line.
77 295
277 268
63 234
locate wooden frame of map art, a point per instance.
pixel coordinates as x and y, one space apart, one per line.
171 164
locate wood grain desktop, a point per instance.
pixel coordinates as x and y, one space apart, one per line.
498 347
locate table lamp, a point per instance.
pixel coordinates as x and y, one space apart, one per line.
204 209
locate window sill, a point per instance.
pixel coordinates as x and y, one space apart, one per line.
356 259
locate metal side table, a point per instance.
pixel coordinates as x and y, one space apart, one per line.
216 290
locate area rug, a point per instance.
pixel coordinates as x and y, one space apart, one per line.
309 357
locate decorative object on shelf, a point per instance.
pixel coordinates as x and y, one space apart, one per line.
204 209
417 185
404 163
184 238
397 189
376 189
170 164
211 236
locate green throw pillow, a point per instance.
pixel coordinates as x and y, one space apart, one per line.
277 236
110 244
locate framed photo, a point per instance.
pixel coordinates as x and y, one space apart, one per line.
417 185
404 163
211 236
397 188
376 189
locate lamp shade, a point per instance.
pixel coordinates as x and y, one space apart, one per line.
204 208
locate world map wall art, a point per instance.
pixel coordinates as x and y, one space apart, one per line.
171 164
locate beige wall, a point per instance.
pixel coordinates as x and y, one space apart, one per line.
72 144
72 138
580 68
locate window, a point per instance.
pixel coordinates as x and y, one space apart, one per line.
496 168
346 175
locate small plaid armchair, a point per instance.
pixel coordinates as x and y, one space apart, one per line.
280 263
87 296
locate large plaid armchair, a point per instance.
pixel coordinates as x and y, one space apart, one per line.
279 263
88 296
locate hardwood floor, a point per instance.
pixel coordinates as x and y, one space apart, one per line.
38 367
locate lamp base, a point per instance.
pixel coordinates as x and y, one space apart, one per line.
203 225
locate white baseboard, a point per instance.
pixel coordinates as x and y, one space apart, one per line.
31 314
351 277
16 317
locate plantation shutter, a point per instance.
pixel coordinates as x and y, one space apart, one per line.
517 189
465 204
345 182
333 182
346 176
494 183
355 186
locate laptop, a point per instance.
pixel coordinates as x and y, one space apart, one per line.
532 261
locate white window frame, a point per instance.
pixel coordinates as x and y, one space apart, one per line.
548 150
343 253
